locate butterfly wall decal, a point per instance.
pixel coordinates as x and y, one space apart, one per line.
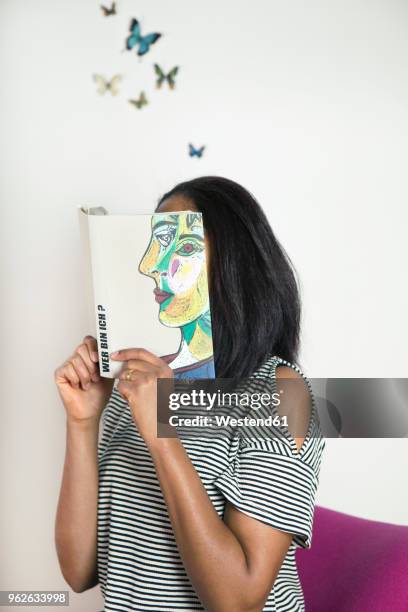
135 38
193 152
169 77
106 11
105 85
140 102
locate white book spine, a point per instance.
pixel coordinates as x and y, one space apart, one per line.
97 291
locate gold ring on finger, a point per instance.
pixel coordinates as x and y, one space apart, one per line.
128 375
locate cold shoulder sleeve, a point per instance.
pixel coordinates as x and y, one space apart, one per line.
271 480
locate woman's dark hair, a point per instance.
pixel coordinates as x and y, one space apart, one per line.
254 297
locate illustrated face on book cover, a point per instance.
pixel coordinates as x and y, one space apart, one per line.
175 260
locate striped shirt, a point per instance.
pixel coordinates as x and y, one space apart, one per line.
139 566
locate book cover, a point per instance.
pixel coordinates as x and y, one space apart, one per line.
146 287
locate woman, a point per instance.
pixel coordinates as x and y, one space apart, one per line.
164 524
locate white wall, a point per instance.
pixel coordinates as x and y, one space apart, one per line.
303 103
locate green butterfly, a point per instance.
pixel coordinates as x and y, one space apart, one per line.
161 76
140 102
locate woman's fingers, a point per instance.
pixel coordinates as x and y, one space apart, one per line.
137 353
85 352
67 373
92 345
71 375
141 366
81 370
143 360
137 376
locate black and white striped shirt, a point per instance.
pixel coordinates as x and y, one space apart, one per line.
139 565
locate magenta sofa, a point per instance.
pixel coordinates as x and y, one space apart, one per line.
354 565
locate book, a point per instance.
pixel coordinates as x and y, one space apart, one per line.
145 278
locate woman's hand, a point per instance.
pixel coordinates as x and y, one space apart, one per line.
83 391
138 386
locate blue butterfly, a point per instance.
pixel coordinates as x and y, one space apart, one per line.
135 38
195 152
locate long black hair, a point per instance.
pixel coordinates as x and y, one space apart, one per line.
254 296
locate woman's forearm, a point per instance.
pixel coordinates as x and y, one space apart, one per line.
211 553
76 518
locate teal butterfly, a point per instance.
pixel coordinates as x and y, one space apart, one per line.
161 76
140 102
136 39
193 152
